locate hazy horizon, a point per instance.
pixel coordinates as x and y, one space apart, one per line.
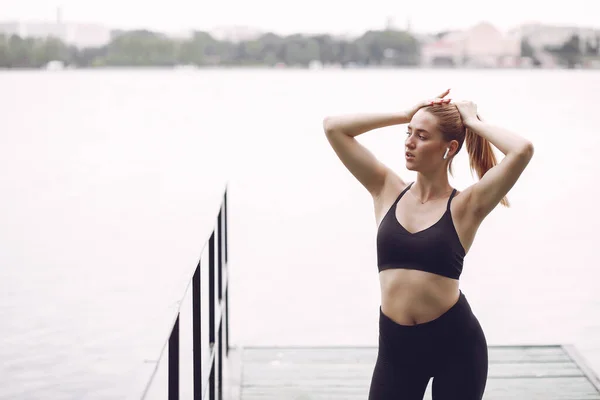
332 17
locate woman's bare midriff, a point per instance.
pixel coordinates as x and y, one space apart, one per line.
411 297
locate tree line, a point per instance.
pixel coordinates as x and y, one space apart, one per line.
143 48
147 48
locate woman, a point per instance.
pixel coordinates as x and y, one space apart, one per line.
425 229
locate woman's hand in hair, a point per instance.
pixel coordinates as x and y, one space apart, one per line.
467 110
424 103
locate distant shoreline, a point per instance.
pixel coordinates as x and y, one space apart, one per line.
273 69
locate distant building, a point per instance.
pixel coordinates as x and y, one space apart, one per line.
540 36
87 35
446 51
480 46
181 35
79 35
11 28
235 34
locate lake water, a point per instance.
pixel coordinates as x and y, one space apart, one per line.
109 181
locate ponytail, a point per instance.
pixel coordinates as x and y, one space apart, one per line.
481 156
452 127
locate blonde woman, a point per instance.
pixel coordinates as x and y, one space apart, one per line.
425 230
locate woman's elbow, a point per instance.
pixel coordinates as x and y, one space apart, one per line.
527 150
329 124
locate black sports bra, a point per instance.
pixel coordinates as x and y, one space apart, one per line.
436 249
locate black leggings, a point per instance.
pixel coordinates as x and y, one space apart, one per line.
452 349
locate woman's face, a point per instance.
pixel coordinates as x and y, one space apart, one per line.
424 145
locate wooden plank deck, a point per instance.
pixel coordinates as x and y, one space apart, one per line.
335 373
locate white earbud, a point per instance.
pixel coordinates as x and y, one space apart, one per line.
446 153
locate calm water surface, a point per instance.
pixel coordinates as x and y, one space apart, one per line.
109 181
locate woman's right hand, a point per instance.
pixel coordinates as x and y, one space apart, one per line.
424 103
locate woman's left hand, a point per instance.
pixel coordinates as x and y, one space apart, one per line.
467 110
424 103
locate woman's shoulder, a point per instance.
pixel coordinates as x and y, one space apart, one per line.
393 185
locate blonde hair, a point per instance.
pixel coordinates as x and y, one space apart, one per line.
481 155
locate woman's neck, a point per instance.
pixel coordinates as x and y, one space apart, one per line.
429 187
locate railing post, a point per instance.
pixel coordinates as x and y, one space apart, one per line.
220 263
226 225
197 332
220 291
220 358
225 234
220 255
211 309
211 381
174 362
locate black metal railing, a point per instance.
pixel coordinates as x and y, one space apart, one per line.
207 379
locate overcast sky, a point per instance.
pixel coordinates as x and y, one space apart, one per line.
306 16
